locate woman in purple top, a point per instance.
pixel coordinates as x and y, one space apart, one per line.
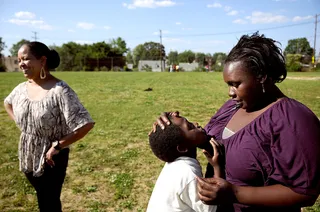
272 142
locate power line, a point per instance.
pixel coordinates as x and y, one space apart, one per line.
242 31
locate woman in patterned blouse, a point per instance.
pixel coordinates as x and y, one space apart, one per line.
50 117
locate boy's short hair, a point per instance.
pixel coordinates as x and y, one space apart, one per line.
164 143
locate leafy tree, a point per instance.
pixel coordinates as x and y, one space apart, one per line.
71 56
293 62
173 57
187 56
2 46
139 53
15 47
119 46
201 58
148 51
219 57
129 57
299 46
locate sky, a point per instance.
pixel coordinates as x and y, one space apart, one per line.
206 26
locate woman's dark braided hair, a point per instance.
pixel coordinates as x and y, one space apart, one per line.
261 56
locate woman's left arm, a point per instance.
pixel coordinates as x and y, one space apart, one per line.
77 120
219 191
68 140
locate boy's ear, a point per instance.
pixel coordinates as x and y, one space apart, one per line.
182 148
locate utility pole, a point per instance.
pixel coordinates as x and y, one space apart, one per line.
314 44
35 36
161 50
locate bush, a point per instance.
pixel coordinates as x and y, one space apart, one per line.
146 68
294 67
3 68
104 68
199 69
116 68
217 68
293 62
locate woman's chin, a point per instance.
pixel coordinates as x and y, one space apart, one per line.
28 76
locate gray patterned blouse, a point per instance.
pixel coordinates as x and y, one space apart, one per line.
44 121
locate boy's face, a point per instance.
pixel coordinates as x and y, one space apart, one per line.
192 132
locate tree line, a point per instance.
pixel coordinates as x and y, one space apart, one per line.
115 55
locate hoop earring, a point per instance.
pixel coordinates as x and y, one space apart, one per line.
43 74
263 90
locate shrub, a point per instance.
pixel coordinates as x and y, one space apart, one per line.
104 68
217 68
199 69
294 67
146 68
3 68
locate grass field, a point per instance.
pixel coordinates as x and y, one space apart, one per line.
113 169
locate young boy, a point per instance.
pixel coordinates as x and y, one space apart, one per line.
176 186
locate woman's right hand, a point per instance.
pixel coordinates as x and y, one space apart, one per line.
163 120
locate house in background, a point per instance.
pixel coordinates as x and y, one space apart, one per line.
11 63
151 65
189 66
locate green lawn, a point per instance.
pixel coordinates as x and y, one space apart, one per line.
113 169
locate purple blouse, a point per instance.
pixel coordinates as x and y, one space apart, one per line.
281 146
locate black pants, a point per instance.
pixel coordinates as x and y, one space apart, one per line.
48 186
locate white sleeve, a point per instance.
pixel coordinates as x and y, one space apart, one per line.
190 196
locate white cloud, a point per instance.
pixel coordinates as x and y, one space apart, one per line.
233 12
40 24
258 17
178 23
71 30
227 8
239 21
85 25
23 18
186 28
215 5
107 27
149 4
25 15
299 18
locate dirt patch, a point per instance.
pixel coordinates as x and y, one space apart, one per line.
304 78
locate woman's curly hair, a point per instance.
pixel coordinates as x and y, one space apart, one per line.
261 56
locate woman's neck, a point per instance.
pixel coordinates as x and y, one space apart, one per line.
272 95
39 81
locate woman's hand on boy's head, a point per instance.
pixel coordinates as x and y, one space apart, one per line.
217 159
163 120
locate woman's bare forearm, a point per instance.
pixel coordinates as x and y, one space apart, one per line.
274 196
76 135
9 109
